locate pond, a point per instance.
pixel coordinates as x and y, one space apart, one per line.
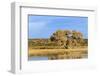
37 58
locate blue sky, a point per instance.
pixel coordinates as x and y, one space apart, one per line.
44 26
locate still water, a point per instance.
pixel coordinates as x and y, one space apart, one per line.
37 58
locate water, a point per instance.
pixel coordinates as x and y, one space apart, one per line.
37 58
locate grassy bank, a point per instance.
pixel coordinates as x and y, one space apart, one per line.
59 53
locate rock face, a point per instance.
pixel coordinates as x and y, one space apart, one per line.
67 38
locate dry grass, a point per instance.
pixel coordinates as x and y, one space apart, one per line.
59 53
